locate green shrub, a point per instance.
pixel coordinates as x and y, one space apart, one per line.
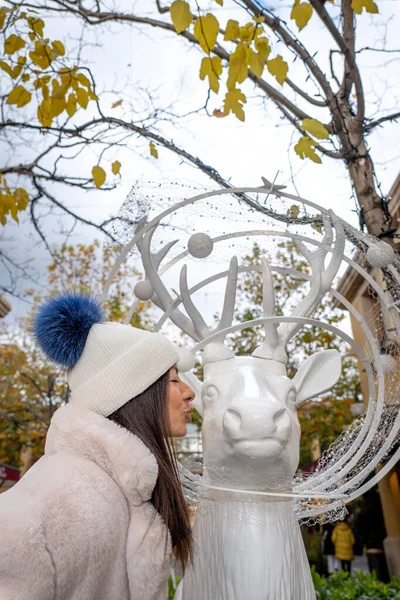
340 586
171 591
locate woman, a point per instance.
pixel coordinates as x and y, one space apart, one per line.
97 516
343 540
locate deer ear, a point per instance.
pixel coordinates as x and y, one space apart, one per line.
318 374
192 381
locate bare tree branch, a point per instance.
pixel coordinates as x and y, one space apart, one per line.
392 117
347 53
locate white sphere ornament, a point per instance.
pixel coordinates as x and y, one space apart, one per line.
143 290
200 245
380 255
389 363
186 360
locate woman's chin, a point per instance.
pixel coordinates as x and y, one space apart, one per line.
180 431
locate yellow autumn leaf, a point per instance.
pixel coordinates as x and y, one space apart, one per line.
293 211
44 113
153 150
116 167
58 105
16 72
82 97
301 13
19 96
57 50
305 149
3 14
92 95
26 77
37 26
257 63
83 80
246 33
315 128
99 176
232 31
21 198
233 102
32 36
262 46
238 66
6 67
70 106
369 5
278 68
211 68
206 31
116 104
180 15
13 43
40 56
220 2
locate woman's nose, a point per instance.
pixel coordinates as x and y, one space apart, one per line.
189 394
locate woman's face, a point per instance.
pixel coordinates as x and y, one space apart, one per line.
179 409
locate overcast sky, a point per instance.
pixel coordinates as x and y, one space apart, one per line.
125 59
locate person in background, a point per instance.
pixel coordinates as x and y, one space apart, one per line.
328 547
343 540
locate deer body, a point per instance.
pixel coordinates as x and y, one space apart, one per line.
259 555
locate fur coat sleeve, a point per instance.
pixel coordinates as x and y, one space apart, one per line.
79 525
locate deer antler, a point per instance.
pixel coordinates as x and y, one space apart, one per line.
194 326
276 338
162 297
216 350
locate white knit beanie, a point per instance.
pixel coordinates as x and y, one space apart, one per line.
118 363
108 363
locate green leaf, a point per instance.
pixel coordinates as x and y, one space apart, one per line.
315 128
180 15
278 68
305 149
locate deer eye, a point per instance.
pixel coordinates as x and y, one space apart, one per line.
291 399
210 393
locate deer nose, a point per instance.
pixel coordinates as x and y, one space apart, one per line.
253 419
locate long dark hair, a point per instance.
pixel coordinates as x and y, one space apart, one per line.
146 416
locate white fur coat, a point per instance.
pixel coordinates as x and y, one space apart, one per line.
79 524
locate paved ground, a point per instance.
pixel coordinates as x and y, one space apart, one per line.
360 563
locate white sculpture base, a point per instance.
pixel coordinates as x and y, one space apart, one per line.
251 550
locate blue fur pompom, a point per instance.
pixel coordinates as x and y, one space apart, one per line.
62 326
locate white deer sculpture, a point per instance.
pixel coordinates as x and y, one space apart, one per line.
251 436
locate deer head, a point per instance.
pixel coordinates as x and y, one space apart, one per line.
248 404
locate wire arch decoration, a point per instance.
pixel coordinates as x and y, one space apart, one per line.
342 471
